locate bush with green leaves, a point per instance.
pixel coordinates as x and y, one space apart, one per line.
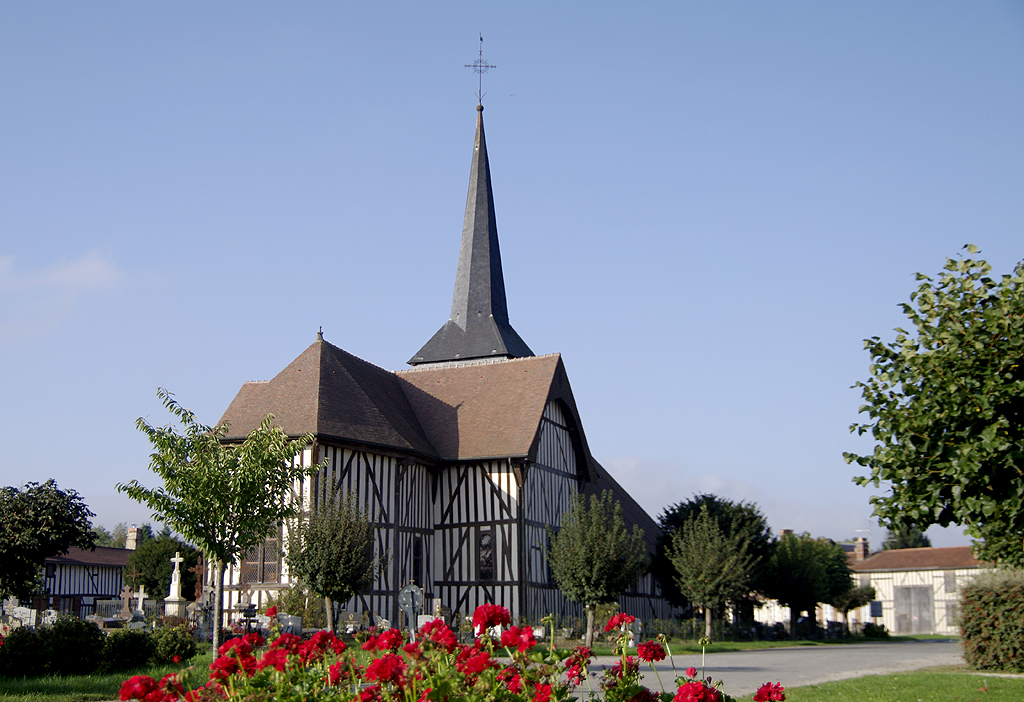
875 631
70 647
126 649
992 621
173 642
19 656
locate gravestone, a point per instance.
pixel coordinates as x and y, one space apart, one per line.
141 597
290 624
126 596
174 605
410 601
349 622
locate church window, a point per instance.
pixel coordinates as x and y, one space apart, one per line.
486 555
417 561
262 563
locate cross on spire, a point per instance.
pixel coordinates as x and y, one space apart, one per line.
480 66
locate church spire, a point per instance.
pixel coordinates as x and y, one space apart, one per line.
479 325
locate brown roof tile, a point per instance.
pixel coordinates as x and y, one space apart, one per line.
946 558
102 556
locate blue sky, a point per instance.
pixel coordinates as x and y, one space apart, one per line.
705 207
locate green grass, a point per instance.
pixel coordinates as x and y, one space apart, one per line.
943 685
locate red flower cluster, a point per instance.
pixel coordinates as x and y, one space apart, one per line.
389 668
770 693
691 672
576 664
541 692
620 619
489 615
143 687
436 631
651 651
697 691
521 639
271 611
472 660
646 695
390 640
513 681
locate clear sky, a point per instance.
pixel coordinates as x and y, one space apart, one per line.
704 206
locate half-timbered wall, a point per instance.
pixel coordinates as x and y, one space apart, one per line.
476 540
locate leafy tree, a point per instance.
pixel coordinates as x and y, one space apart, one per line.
946 408
38 521
152 559
804 571
905 537
711 566
593 557
331 550
742 520
118 536
851 599
223 498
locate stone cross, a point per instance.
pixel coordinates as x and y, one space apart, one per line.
175 592
141 595
126 595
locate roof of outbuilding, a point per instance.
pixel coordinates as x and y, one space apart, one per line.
946 558
102 556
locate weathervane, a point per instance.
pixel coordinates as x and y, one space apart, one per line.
480 66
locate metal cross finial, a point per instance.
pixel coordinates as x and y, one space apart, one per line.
480 66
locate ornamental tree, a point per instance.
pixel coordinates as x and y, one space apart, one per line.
593 556
851 599
711 567
224 498
804 571
331 550
946 408
38 521
906 537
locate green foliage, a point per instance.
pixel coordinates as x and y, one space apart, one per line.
153 560
905 537
36 522
875 631
742 520
711 567
331 548
946 408
70 647
171 641
851 598
992 621
223 498
19 656
804 571
593 557
126 649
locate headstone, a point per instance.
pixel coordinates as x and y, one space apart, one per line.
26 616
141 597
349 622
410 601
174 605
538 632
290 624
424 619
49 617
126 610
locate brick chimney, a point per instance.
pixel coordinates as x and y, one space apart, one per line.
132 540
860 548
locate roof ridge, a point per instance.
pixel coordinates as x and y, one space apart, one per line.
470 362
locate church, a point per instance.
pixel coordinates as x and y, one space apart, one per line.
464 459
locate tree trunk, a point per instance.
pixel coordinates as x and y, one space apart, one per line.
707 621
794 614
590 626
329 610
218 607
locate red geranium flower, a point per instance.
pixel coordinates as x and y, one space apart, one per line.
471 661
511 678
438 632
651 651
619 619
770 693
488 615
541 692
275 658
137 687
521 639
697 691
287 642
388 668
691 672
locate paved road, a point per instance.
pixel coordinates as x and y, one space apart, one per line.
745 671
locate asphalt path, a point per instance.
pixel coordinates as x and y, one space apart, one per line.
745 671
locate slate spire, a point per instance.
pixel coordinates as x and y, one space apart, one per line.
478 326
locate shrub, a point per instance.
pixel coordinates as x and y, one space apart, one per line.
875 631
170 642
992 621
70 647
19 656
126 649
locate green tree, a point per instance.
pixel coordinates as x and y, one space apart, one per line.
905 537
224 498
804 571
711 566
152 560
38 521
946 408
850 599
593 557
740 519
330 549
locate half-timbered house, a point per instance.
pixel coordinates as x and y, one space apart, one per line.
464 460
73 582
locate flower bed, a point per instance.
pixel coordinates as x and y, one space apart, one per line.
432 668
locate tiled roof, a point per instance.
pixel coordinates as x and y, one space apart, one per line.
102 556
331 393
947 558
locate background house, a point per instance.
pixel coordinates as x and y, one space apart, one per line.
74 582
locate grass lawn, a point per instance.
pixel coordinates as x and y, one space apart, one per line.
935 685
